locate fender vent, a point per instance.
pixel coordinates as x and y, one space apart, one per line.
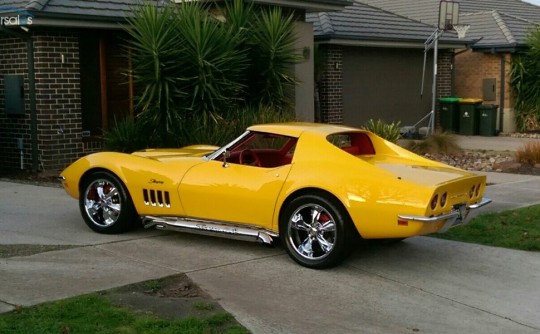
157 198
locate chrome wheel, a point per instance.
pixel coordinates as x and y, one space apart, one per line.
102 202
316 230
312 231
105 204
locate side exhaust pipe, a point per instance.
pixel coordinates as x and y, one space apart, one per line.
219 229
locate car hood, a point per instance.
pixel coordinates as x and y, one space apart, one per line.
425 175
161 154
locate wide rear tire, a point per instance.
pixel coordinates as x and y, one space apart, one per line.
105 204
317 231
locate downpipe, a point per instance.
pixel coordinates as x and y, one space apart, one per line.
20 146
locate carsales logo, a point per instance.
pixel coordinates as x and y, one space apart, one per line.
11 16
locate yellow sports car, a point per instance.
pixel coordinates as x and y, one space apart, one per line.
316 186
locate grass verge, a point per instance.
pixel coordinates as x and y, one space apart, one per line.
516 229
94 313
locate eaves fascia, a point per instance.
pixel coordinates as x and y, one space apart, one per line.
63 20
500 48
311 6
67 23
389 43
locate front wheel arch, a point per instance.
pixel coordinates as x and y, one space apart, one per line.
84 178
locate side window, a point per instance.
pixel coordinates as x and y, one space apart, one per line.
355 143
263 150
340 140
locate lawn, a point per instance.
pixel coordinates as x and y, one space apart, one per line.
94 313
516 229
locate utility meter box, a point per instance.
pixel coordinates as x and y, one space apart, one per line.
14 94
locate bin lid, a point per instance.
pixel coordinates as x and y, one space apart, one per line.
487 106
471 101
450 99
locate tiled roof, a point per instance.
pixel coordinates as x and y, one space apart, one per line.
96 8
497 23
362 23
119 9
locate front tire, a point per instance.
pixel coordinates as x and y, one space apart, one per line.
316 231
105 204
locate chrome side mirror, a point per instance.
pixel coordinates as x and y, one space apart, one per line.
226 155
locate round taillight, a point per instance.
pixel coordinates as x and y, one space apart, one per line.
434 201
478 190
471 192
443 200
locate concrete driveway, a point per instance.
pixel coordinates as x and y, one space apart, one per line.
420 285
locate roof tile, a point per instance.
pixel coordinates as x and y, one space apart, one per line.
511 20
364 22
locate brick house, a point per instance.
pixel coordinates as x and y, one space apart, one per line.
62 76
500 28
373 64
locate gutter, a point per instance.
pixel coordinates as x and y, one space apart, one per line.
310 6
499 48
502 96
63 23
388 43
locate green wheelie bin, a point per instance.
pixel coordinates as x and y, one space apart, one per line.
449 113
468 116
487 119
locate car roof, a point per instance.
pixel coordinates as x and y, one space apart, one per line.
295 129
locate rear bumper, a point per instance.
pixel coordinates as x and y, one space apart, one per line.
455 217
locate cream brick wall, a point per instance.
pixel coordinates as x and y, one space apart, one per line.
471 68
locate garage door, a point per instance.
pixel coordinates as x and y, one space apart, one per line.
380 83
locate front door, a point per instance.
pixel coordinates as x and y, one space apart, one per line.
233 193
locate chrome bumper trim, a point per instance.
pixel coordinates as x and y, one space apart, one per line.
483 202
455 217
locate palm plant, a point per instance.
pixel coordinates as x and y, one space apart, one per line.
157 59
193 66
214 65
239 18
272 55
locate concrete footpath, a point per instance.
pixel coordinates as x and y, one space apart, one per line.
421 285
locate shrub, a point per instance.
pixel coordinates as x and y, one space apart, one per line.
529 153
127 136
437 143
230 125
388 131
524 73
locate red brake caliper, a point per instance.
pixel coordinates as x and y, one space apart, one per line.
324 218
92 194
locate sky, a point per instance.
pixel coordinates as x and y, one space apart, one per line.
536 2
